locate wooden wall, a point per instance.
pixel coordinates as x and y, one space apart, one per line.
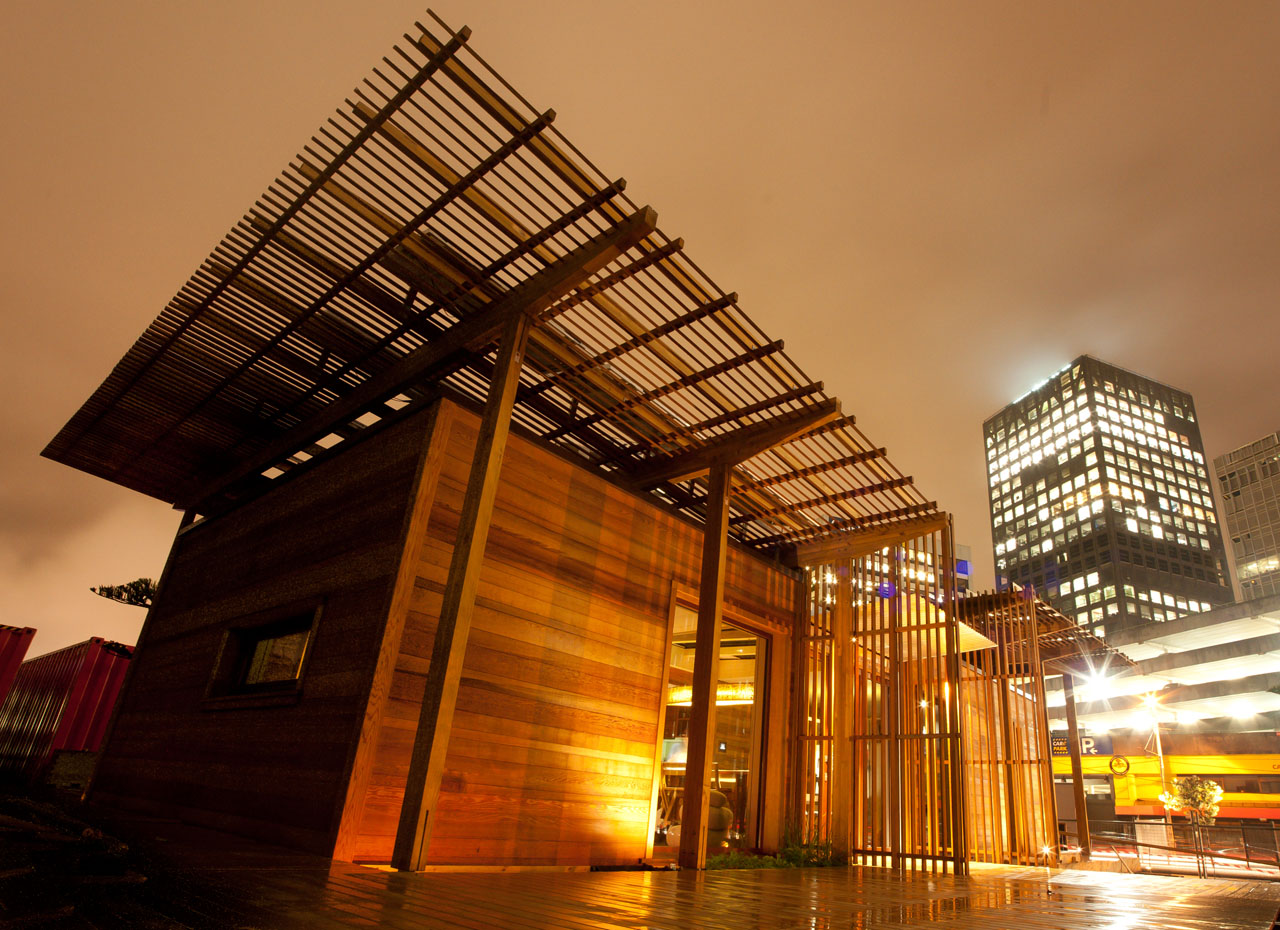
553 749
274 771
552 755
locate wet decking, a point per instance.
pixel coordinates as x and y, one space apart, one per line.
347 896
179 877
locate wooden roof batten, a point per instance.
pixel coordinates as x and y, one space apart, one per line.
375 275
529 297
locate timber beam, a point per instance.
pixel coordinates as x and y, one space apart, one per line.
851 494
444 674
737 446
626 272
856 543
821 468
531 297
644 339
706 673
680 384
721 419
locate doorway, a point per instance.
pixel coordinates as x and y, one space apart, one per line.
733 815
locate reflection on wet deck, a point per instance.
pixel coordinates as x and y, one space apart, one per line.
992 898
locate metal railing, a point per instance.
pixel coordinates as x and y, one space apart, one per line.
1236 850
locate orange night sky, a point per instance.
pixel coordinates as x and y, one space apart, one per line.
935 204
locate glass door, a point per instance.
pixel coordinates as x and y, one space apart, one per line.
732 814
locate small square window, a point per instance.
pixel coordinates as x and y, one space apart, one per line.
263 658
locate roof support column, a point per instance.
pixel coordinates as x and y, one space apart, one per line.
1077 770
706 673
895 700
946 575
842 778
435 722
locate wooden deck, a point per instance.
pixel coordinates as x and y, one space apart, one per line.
992 898
181 877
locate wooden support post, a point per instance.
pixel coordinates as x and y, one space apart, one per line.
1009 758
894 697
417 516
1077 771
435 722
955 711
842 778
706 673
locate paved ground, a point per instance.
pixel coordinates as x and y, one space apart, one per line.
201 880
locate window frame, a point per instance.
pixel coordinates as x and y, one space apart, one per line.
227 687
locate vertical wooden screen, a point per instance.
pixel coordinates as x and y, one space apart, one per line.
1008 766
900 801
814 707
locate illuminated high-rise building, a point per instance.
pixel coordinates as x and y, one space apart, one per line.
1100 498
1249 482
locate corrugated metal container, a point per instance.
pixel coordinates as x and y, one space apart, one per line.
14 641
62 700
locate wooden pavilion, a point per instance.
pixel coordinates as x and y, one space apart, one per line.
1012 816
478 470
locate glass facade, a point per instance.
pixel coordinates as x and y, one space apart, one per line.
1249 483
1100 499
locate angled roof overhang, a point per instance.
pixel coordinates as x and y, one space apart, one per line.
1064 646
374 274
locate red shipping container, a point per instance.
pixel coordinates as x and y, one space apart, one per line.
14 641
62 700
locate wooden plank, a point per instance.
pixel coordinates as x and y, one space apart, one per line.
733 413
529 297
426 766
737 446
706 670
894 695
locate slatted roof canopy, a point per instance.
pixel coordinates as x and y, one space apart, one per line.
363 283
1064 644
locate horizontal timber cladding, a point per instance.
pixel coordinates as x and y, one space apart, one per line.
271 764
551 759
